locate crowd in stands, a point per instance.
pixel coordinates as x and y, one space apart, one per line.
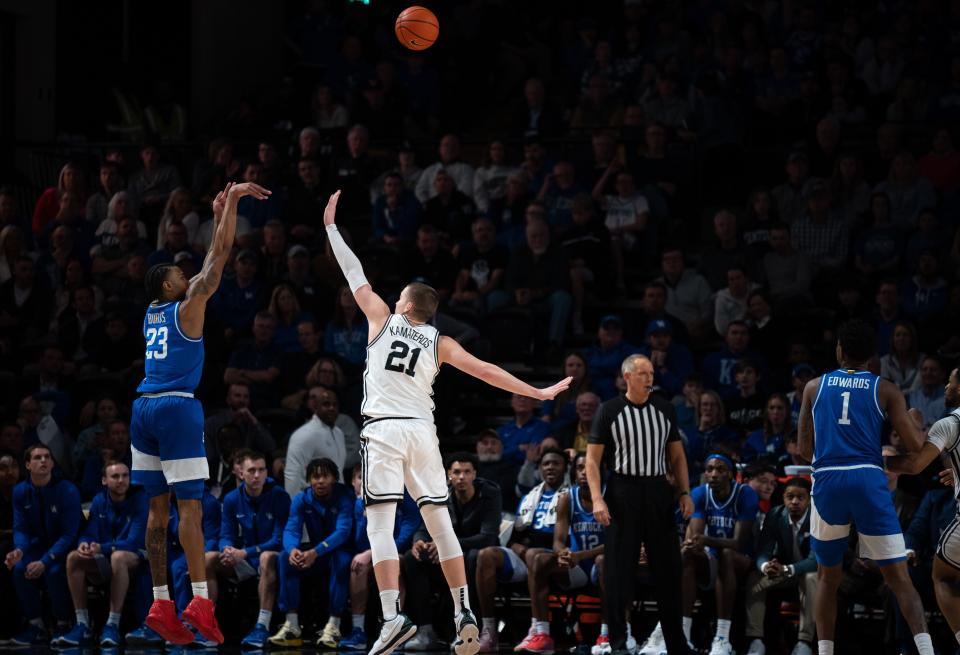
717 188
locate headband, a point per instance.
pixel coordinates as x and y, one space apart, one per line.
723 458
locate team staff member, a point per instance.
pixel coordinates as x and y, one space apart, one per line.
638 432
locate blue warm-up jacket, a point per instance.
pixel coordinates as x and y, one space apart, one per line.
329 522
118 526
255 524
46 519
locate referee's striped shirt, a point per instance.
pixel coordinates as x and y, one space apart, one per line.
635 437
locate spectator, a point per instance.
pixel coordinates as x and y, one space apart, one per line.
928 397
790 197
273 252
461 172
297 364
909 193
532 534
653 307
490 179
256 363
879 246
49 205
561 411
324 512
449 210
525 431
396 213
767 334
784 559
11 247
655 166
252 432
537 277
942 164
224 474
730 302
851 194
492 466
721 528
762 478
251 535
557 194
930 235
111 182
887 314
430 263
727 253
537 115
110 551
598 106
346 334
329 113
482 264
113 446
46 522
672 362
153 183
105 411
632 232
474 505
573 436
712 432
318 437
787 273
902 364
767 442
255 211
686 404
118 353
925 293
301 278
688 293
123 203
820 233
353 171
307 198
718 367
110 261
745 409
406 167
238 299
586 244
286 309
39 427
179 209
605 358
799 376
177 242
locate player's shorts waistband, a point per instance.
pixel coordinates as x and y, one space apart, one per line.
164 394
368 420
846 468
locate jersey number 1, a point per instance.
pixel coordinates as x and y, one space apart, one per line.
399 351
844 417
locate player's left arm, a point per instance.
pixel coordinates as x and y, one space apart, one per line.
451 352
205 283
805 435
562 526
893 403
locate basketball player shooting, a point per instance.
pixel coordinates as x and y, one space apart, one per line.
399 443
166 429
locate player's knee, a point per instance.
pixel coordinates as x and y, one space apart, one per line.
829 576
488 558
268 559
120 559
73 558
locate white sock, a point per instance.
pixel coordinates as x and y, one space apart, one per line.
334 621
824 647
200 589
390 603
293 620
114 619
687 626
924 644
357 620
543 627
264 618
723 629
83 616
605 629
490 623
461 598
161 593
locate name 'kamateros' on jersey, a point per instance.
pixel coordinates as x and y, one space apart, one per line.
402 363
173 361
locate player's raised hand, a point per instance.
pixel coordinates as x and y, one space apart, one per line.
550 392
249 189
330 212
221 200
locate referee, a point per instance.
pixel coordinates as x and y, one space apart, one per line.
640 433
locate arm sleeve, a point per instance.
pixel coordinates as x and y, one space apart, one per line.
349 263
135 538
293 530
281 513
228 522
489 526
343 529
70 520
211 523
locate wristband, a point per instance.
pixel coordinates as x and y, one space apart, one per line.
684 493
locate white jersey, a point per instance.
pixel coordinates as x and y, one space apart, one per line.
945 435
402 363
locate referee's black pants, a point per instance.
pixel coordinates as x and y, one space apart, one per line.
642 511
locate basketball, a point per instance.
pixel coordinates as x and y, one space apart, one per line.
417 28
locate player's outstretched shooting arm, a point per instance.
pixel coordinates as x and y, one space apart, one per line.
448 350
205 283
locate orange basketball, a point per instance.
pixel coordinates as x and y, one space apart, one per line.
417 28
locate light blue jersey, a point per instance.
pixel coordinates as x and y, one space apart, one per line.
173 361
585 532
847 420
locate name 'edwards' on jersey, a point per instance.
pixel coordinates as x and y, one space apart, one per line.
402 363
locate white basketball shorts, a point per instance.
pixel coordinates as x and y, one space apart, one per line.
398 452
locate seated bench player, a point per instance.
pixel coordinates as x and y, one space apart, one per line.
532 534
252 521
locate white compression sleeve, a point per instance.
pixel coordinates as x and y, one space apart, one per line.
349 264
437 520
380 520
